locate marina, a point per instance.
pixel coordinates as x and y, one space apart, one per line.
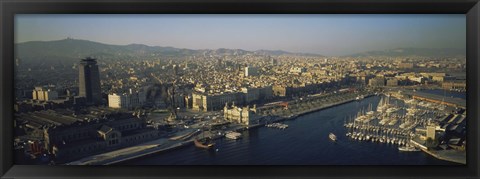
387 124
393 123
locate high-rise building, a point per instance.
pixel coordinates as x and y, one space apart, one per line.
89 81
274 61
175 69
251 71
219 62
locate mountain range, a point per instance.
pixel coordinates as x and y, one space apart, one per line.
74 49
424 52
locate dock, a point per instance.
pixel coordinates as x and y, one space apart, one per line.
448 155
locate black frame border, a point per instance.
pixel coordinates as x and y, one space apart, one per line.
8 9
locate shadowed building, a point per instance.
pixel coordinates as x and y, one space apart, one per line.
89 79
70 136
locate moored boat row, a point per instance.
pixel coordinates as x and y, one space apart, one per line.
277 125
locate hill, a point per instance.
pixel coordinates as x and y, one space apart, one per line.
426 52
74 49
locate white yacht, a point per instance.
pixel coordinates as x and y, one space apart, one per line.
233 135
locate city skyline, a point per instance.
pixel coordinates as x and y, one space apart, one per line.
83 102
292 33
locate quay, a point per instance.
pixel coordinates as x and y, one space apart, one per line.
447 155
321 102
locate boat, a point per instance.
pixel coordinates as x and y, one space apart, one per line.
392 110
360 97
408 149
393 122
332 137
384 121
204 144
233 135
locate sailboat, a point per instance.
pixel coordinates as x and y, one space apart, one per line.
408 147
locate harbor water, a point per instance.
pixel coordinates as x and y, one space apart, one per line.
304 142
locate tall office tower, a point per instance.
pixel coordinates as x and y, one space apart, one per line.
175 70
89 79
251 71
220 62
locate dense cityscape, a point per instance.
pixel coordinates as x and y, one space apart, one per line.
99 110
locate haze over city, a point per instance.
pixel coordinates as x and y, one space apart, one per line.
329 35
343 90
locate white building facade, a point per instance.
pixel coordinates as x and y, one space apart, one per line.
126 100
45 93
245 115
251 71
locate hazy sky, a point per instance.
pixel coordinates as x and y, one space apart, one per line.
321 34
